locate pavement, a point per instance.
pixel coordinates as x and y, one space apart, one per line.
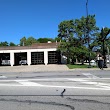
34 68
42 68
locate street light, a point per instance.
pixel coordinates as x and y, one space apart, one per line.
87 32
108 55
103 45
103 48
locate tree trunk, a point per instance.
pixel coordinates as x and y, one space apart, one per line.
82 61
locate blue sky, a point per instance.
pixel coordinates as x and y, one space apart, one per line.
40 18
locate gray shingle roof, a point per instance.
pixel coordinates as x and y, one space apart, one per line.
33 46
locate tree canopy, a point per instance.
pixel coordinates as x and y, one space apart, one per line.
45 40
75 35
27 41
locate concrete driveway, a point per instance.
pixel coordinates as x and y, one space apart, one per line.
34 68
42 68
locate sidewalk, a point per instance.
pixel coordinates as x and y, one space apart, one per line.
42 68
34 68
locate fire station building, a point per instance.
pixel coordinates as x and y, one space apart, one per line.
39 53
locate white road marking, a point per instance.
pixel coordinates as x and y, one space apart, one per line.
28 83
2 77
52 86
98 84
52 79
89 75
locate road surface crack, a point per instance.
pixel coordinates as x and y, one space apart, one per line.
38 102
87 101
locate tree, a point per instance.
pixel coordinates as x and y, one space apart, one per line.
31 40
45 40
86 29
75 35
12 44
103 37
58 39
23 41
65 30
27 42
98 42
66 34
4 43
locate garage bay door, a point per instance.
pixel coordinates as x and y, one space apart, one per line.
54 57
37 58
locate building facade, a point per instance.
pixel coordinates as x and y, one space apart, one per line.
39 53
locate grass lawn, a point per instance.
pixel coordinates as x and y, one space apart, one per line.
70 66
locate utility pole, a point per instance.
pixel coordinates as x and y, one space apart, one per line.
87 32
103 45
108 55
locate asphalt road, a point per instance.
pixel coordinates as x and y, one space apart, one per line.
72 90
